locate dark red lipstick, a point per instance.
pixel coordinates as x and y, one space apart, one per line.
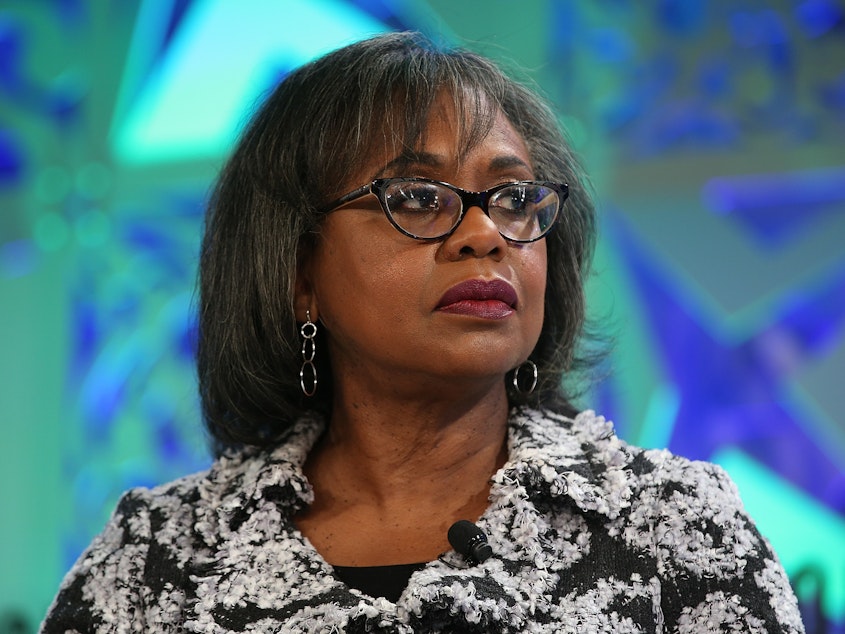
493 299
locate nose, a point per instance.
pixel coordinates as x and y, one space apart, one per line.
476 236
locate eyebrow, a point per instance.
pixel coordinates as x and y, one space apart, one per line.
506 161
411 157
427 159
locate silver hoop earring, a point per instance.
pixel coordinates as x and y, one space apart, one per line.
309 349
531 367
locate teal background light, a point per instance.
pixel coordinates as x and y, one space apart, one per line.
180 112
712 132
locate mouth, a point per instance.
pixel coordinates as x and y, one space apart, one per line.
493 299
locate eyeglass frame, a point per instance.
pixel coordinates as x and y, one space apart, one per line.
468 199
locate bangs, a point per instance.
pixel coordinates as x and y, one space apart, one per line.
390 113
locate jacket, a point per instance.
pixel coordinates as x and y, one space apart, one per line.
589 535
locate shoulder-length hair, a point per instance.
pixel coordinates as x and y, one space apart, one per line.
300 147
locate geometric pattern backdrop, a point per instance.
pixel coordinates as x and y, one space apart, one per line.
715 136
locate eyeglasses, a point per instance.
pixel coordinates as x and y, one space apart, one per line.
424 209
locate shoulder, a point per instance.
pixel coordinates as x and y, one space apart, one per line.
714 561
669 480
154 541
689 510
157 538
700 524
137 518
102 588
689 485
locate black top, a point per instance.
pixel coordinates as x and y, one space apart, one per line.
378 581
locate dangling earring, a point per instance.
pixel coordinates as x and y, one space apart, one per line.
309 348
529 366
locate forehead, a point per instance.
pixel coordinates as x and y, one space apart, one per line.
465 129
453 132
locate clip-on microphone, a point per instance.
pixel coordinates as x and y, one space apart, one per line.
470 541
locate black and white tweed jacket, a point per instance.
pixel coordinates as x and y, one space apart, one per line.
590 535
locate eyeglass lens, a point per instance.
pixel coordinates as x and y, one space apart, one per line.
521 212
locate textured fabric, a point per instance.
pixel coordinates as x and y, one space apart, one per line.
589 535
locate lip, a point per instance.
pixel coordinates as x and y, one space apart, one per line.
486 299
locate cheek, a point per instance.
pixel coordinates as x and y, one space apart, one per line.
535 270
366 280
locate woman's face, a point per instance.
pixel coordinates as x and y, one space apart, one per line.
411 313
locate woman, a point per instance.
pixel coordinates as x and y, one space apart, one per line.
381 355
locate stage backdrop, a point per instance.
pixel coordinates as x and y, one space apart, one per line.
715 135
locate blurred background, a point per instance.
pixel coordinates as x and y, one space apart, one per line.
715 136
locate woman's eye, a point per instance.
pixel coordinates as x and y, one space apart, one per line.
416 198
514 199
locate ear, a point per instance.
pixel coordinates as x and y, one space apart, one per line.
304 295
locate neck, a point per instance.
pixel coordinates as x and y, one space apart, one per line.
402 469
401 447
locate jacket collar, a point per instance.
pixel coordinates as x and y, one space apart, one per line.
555 457
550 457
240 480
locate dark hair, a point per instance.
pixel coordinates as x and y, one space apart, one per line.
298 149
